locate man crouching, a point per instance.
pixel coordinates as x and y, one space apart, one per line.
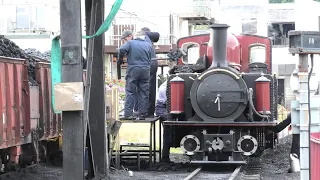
295 146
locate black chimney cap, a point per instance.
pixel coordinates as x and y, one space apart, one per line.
219 26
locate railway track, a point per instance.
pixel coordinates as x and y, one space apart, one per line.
199 174
250 171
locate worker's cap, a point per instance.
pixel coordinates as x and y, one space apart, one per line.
153 36
126 34
145 29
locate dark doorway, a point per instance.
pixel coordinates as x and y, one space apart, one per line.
281 93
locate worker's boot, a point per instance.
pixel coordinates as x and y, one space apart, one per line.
166 159
294 163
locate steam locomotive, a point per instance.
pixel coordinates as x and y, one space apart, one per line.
222 97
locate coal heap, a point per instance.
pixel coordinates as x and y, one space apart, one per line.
10 49
35 53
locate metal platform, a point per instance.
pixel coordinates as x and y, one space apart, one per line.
152 152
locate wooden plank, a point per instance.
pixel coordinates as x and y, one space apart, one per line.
112 114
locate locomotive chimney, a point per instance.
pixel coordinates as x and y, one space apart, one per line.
219 46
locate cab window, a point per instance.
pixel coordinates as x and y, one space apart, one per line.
257 53
192 51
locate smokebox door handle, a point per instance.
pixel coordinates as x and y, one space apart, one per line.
218 101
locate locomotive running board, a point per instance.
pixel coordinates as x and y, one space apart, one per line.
219 162
197 123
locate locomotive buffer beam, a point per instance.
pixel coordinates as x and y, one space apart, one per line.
204 123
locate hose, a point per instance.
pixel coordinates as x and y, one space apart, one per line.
309 127
250 94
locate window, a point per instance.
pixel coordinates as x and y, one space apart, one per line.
249 26
193 52
257 53
23 17
278 32
3 24
41 17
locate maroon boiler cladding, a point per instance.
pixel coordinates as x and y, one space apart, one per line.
263 95
177 95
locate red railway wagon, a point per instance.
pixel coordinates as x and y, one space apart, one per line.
16 119
315 156
27 120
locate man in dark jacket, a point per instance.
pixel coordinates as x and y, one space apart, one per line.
152 37
139 53
295 146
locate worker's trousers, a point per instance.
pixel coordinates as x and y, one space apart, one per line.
295 146
152 87
137 84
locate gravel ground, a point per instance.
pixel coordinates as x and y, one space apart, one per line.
275 167
276 162
36 172
177 171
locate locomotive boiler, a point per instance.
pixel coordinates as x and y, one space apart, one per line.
222 104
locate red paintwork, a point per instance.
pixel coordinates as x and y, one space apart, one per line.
23 107
200 39
14 93
177 96
246 41
315 154
262 96
237 48
50 121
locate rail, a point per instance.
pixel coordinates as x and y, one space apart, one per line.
233 175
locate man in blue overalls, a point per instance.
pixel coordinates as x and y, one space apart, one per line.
127 36
139 53
152 37
161 111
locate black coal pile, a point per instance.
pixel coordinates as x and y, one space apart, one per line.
10 49
275 163
35 53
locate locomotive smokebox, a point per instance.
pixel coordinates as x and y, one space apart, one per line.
219 46
263 95
177 95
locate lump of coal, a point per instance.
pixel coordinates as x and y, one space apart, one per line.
9 49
